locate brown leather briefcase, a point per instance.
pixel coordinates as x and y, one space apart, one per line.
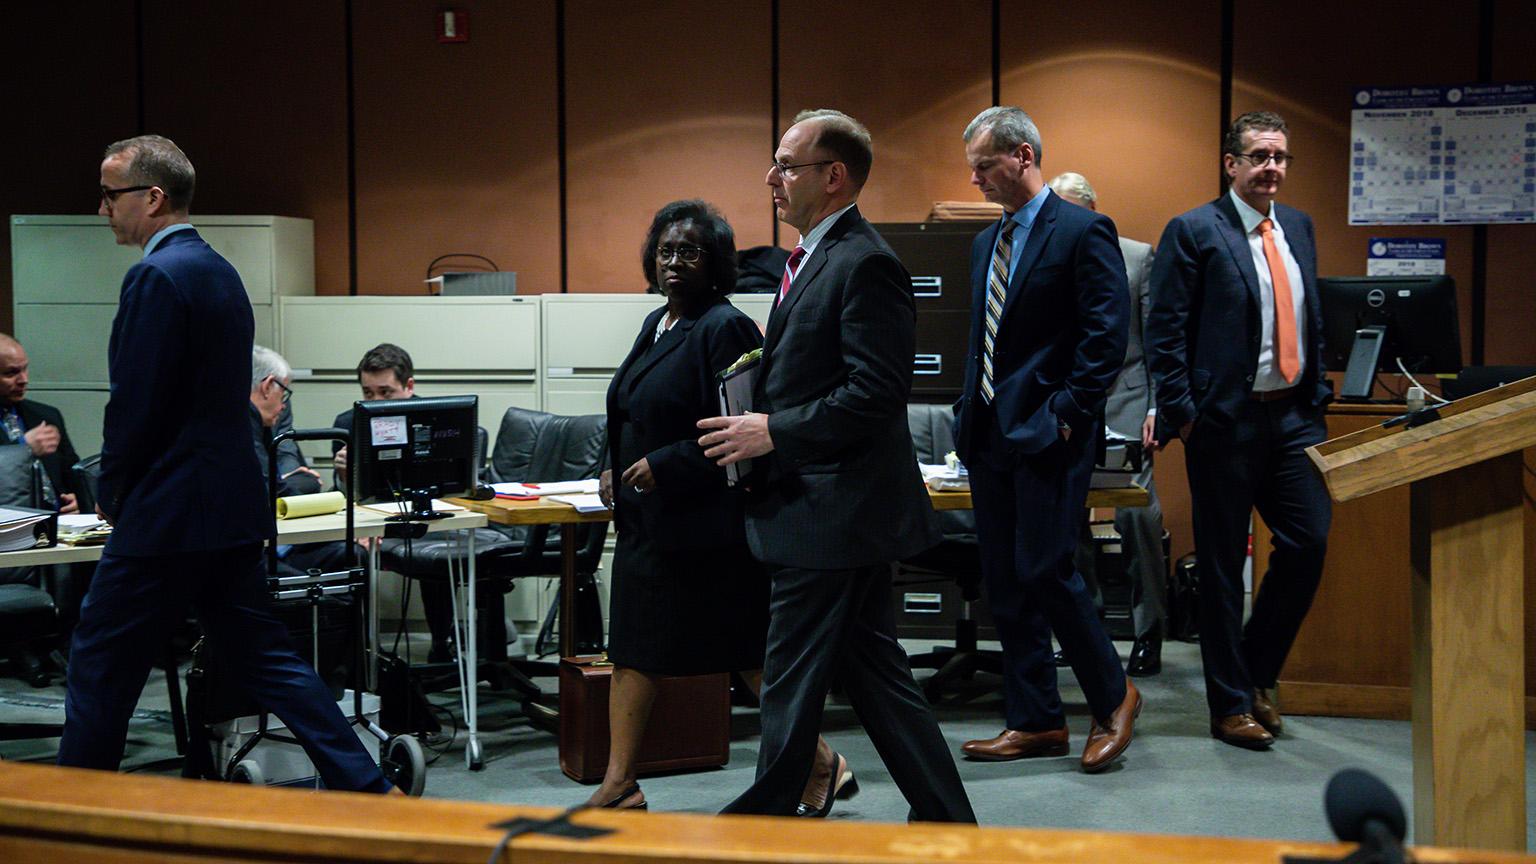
690 724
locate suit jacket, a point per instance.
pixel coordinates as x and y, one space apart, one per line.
289 457
178 466
671 387
841 488
1061 338
1204 328
1132 395
59 462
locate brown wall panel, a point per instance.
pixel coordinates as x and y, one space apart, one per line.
1512 248
1125 94
664 100
456 143
69 90
258 102
1304 65
1128 96
914 79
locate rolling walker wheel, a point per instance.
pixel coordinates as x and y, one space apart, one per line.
248 771
473 755
405 765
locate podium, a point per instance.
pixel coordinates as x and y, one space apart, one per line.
1463 467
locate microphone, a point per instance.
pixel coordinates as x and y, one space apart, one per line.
1362 809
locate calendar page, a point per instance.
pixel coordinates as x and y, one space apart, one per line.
1453 154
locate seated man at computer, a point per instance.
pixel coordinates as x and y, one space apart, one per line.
386 372
271 380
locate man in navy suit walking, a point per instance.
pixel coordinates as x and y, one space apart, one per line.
180 483
1234 342
1050 312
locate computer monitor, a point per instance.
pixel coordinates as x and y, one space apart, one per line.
409 451
1370 323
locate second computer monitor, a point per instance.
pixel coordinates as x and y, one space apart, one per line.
1409 320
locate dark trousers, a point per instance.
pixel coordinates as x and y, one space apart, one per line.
490 622
131 607
826 622
1257 462
1029 513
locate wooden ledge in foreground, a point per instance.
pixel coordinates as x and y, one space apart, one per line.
55 815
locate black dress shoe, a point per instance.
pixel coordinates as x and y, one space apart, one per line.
626 800
1146 656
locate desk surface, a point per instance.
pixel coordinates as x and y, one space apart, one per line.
1123 496
506 511
310 529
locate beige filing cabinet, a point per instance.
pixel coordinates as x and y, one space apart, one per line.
587 336
66 275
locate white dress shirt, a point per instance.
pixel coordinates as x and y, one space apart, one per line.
1268 376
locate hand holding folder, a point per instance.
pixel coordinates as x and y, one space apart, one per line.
736 383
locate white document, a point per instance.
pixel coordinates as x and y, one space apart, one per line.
583 503
559 487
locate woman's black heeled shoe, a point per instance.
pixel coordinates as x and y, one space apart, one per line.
618 801
843 785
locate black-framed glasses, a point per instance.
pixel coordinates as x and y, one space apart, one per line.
1281 158
784 170
685 253
110 195
287 391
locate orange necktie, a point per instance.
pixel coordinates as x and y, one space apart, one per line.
1285 309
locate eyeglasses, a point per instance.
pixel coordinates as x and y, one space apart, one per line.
784 170
110 195
287 391
685 254
1281 159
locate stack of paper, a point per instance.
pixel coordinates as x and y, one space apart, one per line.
83 529
946 478
535 490
16 531
583 503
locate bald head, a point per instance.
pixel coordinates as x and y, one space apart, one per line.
13 370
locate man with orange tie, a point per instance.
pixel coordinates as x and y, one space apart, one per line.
1234 341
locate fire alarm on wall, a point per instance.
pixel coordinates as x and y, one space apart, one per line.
453 25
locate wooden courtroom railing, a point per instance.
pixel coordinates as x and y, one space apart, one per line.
56 815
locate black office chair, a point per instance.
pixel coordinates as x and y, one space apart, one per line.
956 558
28 620
535 446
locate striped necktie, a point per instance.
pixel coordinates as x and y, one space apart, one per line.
997 294
795 258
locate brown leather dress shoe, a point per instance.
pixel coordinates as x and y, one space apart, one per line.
1013 744
1266 713
1241 730
1109 739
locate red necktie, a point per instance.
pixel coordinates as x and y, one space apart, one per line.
1286 356
789 272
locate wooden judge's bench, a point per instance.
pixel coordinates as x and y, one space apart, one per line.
1354 655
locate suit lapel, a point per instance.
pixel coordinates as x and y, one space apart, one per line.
1230 226
668 343
1039 235
805 276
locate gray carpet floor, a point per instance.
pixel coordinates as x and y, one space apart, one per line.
1174 779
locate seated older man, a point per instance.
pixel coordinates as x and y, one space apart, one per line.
271 387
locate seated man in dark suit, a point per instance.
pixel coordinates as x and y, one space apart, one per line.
37 426
271 377
33 437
